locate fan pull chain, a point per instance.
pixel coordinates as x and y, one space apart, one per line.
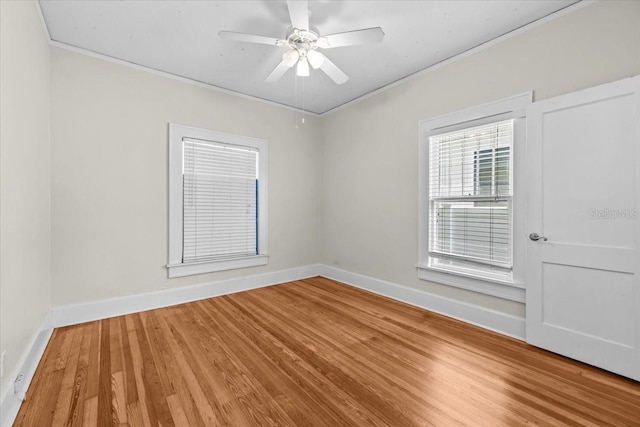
303 99
295 97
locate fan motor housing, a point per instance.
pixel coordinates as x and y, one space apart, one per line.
302 40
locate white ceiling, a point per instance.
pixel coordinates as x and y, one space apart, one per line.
181 38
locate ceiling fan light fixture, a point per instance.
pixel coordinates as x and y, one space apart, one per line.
302 43
303 67
290 57
315 59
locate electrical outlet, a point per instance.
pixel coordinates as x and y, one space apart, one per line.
18 387
3 356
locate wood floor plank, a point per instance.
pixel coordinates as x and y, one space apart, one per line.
147 412
534 398
313 352
406 351
119 400
233 388
105 398
60 416
90 415
151 378
76 405
274 385
355 354
130 391
205 402
326 355
172 365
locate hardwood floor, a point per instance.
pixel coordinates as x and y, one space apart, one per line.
312 352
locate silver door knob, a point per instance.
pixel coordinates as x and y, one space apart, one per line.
535 237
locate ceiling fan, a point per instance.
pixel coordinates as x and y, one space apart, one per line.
303 44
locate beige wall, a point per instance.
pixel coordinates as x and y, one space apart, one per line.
342 188
24 179
370 148
109 176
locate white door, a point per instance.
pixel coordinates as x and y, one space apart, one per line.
583 182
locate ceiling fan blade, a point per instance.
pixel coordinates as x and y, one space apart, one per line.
277 72
335 73
250 38
350 38
299 13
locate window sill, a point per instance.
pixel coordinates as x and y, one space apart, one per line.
179 270
484 285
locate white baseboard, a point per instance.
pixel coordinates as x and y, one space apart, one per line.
9 401
513 326
102 309
502 323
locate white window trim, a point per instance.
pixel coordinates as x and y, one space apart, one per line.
176 267
513 107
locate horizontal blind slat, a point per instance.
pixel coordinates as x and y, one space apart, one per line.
471 166
220 201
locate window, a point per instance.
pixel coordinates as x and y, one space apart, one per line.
217 197
467 198
470 197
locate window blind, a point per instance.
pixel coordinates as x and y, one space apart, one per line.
470 192
219 201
